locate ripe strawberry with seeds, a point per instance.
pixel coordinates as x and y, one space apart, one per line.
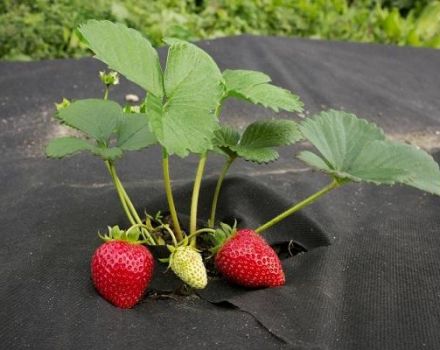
122 268
248 260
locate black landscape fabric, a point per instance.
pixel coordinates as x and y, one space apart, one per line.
370 278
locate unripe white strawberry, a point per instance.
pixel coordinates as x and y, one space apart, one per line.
188 265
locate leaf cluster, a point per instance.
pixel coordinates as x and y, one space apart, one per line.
181 113
182 101
107 130
259 140
352 149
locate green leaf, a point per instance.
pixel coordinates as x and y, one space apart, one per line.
103 121
241 79
255 87
96 118
106 153
425 173
260 139
315 161
66 146
351 148
421 169
193 90
224 138
134 132
340 136
354 149
373 164
258 142
125 50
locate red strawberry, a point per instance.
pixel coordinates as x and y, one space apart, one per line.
121 271
247 260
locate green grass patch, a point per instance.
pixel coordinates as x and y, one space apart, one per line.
41 29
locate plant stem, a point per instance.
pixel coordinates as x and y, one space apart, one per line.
124 193
145 232
128 201
173 236
169 194
196 188
202 230
127 204
120 194
309 200
106 92
218 187
195 195
192 237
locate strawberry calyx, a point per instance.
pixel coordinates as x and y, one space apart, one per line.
115 233
222 234
184 243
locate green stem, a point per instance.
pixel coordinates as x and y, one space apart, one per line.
192 237
120 194
124 194
127 204
202 230
218 187
106 92
130 206
195 195
145 233
128 201
169 194
309 200
173 237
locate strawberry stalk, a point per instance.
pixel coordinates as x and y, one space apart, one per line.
195 196
120 188
122 198
309 200
126 203
106 91
145 234
173 236
194 235
218 187
169 195
110 79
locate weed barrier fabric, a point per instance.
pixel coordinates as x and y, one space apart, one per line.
376 286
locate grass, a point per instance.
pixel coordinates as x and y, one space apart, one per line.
42 29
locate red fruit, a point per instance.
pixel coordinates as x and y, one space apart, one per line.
121 272
247 260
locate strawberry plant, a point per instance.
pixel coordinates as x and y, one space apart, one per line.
181 112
